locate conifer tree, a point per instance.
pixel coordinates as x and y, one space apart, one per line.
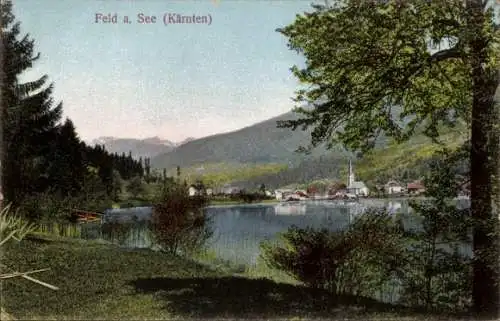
29 117
65 163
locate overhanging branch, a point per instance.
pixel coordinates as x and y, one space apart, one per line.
445 54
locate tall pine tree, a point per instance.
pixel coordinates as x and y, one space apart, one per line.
29 117
66 170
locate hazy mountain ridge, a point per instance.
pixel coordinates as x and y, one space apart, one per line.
147 147
259 143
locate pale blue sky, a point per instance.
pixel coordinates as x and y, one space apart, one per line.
174 81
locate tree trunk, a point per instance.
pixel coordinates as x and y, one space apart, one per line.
2 115
484 164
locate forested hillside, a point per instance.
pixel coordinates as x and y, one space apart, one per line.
259 143
42 154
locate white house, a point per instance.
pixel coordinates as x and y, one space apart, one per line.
354 187
209 191
393 187
282 193
228 190
192 191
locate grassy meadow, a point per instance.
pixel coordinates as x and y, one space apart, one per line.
97 280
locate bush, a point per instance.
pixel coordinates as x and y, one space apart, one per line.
179 222
429 264
354 261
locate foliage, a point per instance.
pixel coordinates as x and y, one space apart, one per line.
247 197
135 186
354 261
395 67
179 222
41 153
29 118
381 76
47 207
13 227
117 185
439 275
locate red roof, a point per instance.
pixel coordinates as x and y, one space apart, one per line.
415 185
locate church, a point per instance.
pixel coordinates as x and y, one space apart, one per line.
357 188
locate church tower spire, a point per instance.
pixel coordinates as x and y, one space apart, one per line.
350 178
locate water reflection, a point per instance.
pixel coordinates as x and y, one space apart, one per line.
239 229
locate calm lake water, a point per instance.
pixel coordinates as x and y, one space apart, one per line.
239 229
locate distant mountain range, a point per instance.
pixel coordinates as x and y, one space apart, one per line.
257 144
148 147
260 147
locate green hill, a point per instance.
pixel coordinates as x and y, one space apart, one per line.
264 154
406 161
327 166
257 144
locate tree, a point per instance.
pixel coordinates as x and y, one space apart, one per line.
147 168
396 67
117 185
179 222
438 274
64 164
135 186
29 118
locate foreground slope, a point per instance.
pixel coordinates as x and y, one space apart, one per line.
100 281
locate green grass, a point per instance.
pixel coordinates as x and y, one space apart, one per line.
101 281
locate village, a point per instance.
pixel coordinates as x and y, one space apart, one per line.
351 190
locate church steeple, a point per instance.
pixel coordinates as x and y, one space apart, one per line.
350 178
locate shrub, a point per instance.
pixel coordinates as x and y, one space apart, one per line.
353 261
179 222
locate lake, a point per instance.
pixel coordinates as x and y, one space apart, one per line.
239 229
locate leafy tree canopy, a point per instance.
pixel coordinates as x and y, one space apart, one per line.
385 67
